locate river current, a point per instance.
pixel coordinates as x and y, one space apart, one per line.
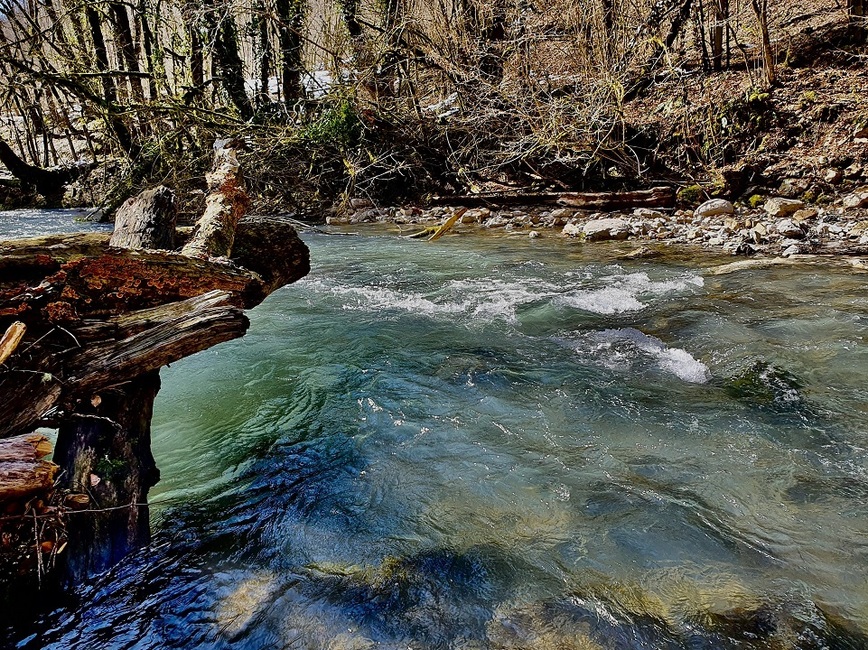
496 443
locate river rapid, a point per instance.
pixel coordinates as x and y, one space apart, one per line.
493 443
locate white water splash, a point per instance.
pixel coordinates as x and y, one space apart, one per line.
487 299
623 293
676 361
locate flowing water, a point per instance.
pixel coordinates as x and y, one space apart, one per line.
496 442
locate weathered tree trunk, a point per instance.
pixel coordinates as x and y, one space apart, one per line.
146 221
106 450
225 204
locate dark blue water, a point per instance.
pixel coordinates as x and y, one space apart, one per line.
509 443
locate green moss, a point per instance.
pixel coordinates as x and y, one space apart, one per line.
809 197
755 201
337 125
109 469
693 194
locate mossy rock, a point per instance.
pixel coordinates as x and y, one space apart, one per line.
756 201
764 384
691 195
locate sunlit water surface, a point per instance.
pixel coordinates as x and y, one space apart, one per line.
508 443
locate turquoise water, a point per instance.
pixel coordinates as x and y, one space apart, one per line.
496 442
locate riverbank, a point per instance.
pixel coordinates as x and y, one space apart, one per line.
776 226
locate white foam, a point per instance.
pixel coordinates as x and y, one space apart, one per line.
676 361
603 301
624 292
488 299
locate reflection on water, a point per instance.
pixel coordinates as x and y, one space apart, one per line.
501 443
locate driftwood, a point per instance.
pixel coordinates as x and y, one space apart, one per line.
225 204
658 197
23 473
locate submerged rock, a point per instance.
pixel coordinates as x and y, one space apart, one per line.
764 384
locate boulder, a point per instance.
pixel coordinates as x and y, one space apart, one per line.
606 229
833 176
805 214
572 229
789 229
781 207
713 208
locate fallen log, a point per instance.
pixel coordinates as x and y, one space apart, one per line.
23 473
226 203
658 197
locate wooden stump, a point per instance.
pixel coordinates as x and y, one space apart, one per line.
106 450
147 221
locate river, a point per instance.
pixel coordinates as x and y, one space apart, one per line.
495 442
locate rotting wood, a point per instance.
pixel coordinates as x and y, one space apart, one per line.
226 203
146 221
94 324
23 473
10 340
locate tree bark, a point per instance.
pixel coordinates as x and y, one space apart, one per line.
225 204
50 183
106 449
226 57
23 473
146 221
124 43
290 13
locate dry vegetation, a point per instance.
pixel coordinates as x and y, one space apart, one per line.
397 99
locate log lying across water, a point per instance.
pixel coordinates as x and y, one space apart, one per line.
97 316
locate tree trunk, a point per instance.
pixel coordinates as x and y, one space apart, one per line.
720 15
226 56
124 43
106 449
290 13
263 53
225 204
48 183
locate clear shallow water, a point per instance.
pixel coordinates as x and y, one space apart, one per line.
503 443
32 222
